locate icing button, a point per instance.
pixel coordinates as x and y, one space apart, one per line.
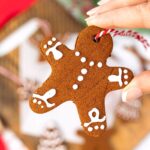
84 71
126 76
99 65
75 86
53 39
39 102
80 78
77 53
45 46
83 59
34 101
90 129
102 127
125 71
96 127
49 42
126 82
91 63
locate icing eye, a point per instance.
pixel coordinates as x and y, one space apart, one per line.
95 40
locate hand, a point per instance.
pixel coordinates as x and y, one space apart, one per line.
121 14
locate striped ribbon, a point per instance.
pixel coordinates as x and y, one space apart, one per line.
130 33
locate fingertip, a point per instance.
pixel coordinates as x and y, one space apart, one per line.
99 20
131 92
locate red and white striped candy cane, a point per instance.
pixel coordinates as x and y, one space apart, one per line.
130 33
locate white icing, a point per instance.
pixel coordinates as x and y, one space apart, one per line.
57 54
90 129
83 59
96 127
94 115
125 71
39 102
34 101
49 94
53 39
84 71
102 127
75 86
126 76
45 46
116 78
91 63
80 78
77 53
99 65
126 82
49 42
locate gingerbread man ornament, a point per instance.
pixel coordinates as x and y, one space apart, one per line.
82 76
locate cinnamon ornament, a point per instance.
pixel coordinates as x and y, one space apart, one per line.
80 75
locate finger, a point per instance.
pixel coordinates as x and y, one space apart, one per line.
113 4
128 17
139 86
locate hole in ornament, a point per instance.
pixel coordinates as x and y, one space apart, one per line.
96 40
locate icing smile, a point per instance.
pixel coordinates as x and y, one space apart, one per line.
95 119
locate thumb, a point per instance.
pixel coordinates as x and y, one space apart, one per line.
139 86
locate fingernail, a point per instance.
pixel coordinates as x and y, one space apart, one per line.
131 92
102 2
92 11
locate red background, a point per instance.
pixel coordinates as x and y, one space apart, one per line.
10 8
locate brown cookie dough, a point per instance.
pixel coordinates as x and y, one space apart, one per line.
100 143
80 75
